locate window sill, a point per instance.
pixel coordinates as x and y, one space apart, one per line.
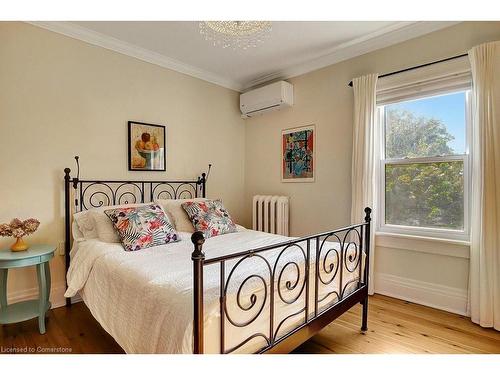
430 245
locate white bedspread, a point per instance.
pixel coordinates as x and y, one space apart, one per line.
144 298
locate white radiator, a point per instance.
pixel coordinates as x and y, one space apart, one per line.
270 214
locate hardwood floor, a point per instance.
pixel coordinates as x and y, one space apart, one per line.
73 330
395 326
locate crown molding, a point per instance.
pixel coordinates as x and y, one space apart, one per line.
92 37
382 38
385 37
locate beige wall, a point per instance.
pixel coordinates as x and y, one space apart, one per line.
60 97
323 98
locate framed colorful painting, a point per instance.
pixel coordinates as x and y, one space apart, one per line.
298 154
146 147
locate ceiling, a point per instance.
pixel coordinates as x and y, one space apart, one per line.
293 47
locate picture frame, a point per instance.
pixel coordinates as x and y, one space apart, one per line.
147 150
298 154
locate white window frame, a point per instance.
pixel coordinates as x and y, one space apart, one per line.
451 234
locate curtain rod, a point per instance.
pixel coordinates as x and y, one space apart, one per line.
418 66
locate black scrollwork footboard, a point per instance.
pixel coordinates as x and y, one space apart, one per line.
289 291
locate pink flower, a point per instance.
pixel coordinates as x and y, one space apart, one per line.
155 224
17 232
16 223
5 230
122 225
145 240
30 225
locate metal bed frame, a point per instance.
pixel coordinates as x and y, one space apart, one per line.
353 245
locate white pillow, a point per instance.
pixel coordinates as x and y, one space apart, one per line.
176 213
85 224
76 232
77 237
103 225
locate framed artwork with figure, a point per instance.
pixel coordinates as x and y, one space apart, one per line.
298 154
146 147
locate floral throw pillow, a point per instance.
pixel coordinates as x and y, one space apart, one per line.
210 217
142 227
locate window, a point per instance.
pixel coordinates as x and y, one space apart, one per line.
424 168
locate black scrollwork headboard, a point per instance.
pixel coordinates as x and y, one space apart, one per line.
89 194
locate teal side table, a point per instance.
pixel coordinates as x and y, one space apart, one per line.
36 255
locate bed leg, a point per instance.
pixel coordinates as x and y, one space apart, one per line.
364 321
198 257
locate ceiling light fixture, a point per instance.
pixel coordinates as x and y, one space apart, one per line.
235 34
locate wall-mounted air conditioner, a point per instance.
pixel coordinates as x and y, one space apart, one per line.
265 99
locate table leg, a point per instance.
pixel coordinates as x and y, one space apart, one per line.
3 287
42 295
49 283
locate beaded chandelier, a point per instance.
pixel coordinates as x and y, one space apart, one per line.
235 34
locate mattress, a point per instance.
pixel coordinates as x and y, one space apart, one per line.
144 298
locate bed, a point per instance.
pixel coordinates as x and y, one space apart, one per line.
242 292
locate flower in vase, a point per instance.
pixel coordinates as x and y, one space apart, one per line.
18 228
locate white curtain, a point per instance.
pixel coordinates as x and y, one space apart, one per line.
365 156
484 277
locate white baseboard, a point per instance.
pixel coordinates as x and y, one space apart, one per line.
428 294
56 295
